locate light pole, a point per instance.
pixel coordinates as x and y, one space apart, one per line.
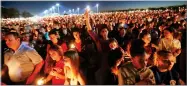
70 11
45 12
73 11
51 10
58 5
78 10
97 5
53 7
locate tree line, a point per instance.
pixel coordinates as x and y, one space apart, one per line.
14 13
150 8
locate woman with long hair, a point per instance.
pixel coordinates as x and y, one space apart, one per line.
57 73
73 74
54 41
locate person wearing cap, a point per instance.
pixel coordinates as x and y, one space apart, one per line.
22 62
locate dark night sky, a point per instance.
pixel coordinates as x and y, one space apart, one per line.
38 7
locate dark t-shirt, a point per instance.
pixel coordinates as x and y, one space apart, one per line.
165 77
122 40
110 78
105 45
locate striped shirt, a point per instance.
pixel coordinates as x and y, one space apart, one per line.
129 75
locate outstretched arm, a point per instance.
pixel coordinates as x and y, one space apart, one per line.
90 32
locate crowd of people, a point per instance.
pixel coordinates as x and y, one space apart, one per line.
112 48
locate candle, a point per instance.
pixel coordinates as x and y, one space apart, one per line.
40 81
72 45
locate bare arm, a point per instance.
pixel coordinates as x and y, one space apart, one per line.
120 79
4 70
38 67
55 73
90 32
35 72
181 82
49 77
89 28
37 61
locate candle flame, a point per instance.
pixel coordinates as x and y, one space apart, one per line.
72 46
40 81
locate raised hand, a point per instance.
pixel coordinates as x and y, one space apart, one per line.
86 14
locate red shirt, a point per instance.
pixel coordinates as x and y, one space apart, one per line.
56 80
64 47
78 46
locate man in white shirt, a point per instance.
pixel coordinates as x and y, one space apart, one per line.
22 62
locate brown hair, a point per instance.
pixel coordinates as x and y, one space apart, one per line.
73 55
57 48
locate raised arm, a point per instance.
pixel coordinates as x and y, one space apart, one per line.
90 32
89 28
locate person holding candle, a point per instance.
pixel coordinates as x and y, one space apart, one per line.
57 72
54 41
73 74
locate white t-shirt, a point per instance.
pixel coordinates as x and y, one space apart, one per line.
169 45
21 63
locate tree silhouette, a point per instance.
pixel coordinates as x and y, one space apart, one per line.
9 13
13 13
26 14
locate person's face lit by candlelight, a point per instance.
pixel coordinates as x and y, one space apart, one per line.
104 33
53 38
54 55
166 60
113 45
76 35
